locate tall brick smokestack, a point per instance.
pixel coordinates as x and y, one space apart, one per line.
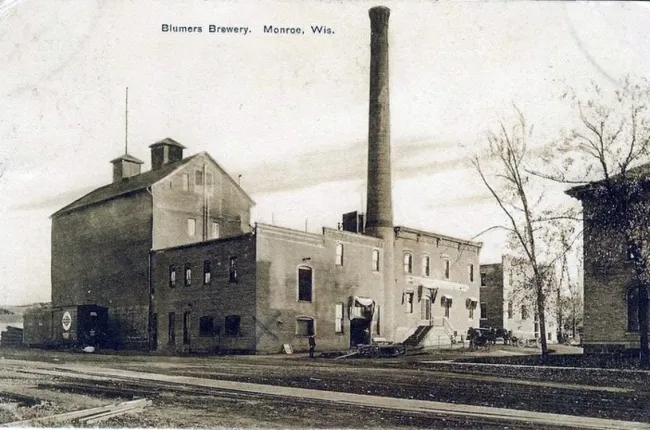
379 220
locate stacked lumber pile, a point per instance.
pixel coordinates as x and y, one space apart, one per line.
87 416
12 336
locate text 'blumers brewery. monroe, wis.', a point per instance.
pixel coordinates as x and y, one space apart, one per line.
243 30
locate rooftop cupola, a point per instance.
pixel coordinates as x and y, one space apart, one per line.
126 166
166 151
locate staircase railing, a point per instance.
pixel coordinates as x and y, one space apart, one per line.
449 329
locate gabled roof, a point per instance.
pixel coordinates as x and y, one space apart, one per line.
128 157
167 141
138 183
125 186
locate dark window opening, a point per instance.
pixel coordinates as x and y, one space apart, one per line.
198 178
305 284
633 309
207 273
172 276
483 310
188 275
483 279
510 310
304 326
186 327
171 328
471 273
207 327
524 312
408 263
233 269
232 325
446 269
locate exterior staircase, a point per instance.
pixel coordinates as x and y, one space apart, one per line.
418 335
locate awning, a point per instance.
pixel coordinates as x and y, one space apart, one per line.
447 297
472 299
363 301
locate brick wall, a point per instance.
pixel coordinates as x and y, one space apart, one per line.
219 298
280 253
100 255
492 296
228 205
439 249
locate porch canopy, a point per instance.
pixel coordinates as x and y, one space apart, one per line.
361 307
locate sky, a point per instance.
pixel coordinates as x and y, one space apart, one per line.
289 113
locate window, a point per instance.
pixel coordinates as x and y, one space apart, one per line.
446 269
233 269
188 275
524 312
304 326
483 310
470 269
305 284
198 178
209 182
408 263
375 260
339 254
426 265
232 326
214 230
549 336
186 327
171 328
633 309
338 318
447 305
186 182
191 227
206 327
471 311
408 301
510 311
207 273
172 276
483 279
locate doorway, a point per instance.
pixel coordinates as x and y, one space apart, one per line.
426 308
360 331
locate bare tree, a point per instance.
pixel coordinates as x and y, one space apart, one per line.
530 225
608 152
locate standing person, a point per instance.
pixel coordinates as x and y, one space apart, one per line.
312 345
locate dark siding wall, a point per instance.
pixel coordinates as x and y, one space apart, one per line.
217 299
606 280
492 296
100 255
173 206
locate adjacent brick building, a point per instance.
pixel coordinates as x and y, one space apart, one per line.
611 294
506 300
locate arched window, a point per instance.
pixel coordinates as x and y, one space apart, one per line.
305 284
633 309
408 263
426 265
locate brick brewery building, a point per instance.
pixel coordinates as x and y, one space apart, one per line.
611 294
506 302
171 255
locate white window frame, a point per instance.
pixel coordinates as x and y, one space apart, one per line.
426 265
340 253
408 263
191 227
338 317
375 260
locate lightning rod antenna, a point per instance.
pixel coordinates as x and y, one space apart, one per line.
126 122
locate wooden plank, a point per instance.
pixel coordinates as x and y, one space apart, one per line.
74 415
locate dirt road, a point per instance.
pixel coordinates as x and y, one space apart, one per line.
181 405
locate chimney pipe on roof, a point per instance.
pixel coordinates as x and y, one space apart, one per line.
379 211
